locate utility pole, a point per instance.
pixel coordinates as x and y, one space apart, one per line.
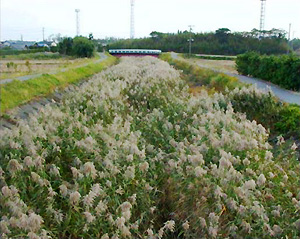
43 34
77 21
292 42
290 25
289 39
190 40
21 37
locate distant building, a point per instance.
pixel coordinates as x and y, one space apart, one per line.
17 45
24 45
4 44
41 44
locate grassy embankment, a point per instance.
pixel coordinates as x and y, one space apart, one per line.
133 155
17 92
280 118
200 78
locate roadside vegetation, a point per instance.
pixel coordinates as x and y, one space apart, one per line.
132 154
281 70
213 63
17 92
201 77
280 118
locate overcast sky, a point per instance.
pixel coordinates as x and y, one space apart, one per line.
106 18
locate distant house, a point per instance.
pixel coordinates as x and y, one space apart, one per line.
42 44
4 44
17 45
24 45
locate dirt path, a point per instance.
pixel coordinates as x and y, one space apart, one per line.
284 95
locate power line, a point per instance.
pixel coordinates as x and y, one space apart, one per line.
190 40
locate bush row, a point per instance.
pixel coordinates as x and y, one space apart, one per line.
281 70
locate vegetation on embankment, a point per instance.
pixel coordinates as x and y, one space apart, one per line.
131 154
17 92
197 76
281 70
281 118
221 42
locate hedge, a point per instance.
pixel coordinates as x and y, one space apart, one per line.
283 70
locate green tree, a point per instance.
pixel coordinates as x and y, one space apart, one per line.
65 46
83 47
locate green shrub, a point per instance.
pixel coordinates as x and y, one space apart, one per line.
281 119
280 70
289 120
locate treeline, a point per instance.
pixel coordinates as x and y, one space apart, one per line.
281 70
221 42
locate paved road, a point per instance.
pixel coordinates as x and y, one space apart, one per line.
284 95
27 77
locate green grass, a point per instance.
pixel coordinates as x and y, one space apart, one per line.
17 92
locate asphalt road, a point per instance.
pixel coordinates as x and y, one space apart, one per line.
27 77
283 94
